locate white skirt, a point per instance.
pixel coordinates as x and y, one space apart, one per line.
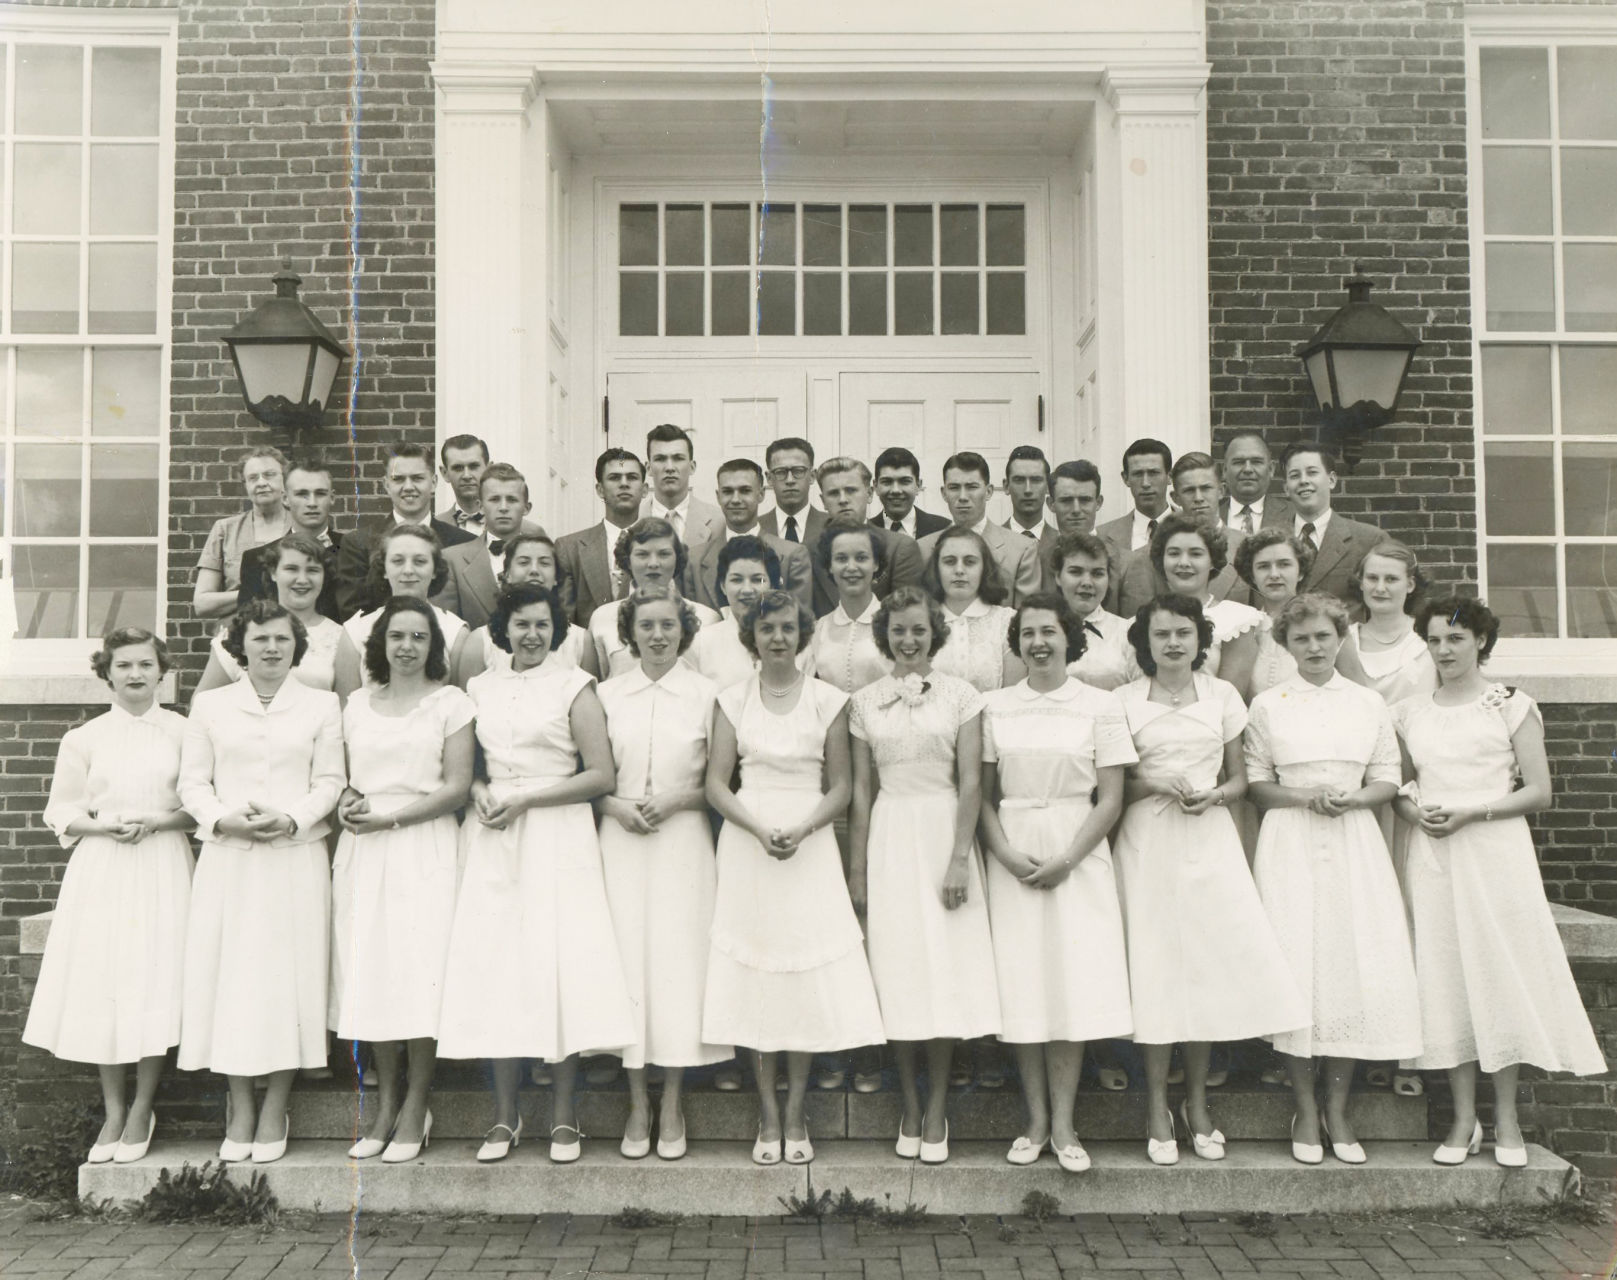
110 982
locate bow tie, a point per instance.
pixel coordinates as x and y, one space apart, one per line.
496 547
464 518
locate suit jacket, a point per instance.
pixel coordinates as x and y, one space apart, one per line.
354 559
702 521
258 576
901 562
796 570
472 587
925 523
1141 583
582 560
1017 558
1277 511
1340 550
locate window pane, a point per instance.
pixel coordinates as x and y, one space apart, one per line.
777 302
1591 287
1520 287
822 301
1521 590
867 235
912 235
123 588
123 492
1589 481
123 288
637 304
957 230
1516 190
912 302
123 190
1588 191
777 244
682 235
124 92
1007 302
637 235
682 304
1584 79
822 235
1006 235
1515 93
959 302
732 303
47 490
45 288
732 234
1516 390
50 391
47 582
867 303
1521 489
45 189
50 88
1589 390
1591 591
123 391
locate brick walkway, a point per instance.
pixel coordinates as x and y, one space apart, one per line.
1134 1247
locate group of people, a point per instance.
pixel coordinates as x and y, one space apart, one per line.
698 778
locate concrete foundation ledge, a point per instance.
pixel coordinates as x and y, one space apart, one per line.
720 1178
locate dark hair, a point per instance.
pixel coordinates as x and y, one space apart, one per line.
1308 605
504 471
1172 525
1261 540
847 522
776 602
1079 544
968 461
653 595
746 547
462 442
1327 455
668 433
1028 453
376 583
1193 462
260 613
1181 606
649 529
1049 602
909 598
742 464
518 540
789 442
1078 470
408 449
1246 433
1462 611
515 598
1392 549
124 638
990 588
1144 447
897 458
376 664
615 454
310 462
261 451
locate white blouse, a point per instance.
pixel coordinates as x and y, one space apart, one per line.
658 729
114 766
1403 671
1335 734
843 652
359 631
978 645
1108 659
612 654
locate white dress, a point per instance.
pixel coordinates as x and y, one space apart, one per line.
1231 620
393 892
1400 672
1328 883
1108 659
318 669
1494 980
718 654
660 888
1274 663
843 652
978 645
933 966
1203 960
257 942
612 654
1059 955
787 967
109 987
359 627
569 652
533 968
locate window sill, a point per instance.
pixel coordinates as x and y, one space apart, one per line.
68 690
1547 686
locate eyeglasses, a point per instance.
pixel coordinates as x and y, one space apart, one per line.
788 473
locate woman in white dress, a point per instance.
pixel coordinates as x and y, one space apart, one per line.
657 852
747 568
1083 577
299 576
787 970
407 561
1203 962
1321 755
917 777
533 968
650 553
1274 565
842 651
963 577
1186 556
263 471
1395 660
1494 980
530 560
1053 755
409 738
109 983
261 771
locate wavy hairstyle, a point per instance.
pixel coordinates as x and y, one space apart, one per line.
746 547
258 613
990 587
1174 524
1180 606
511 599
124 638
909 598
845 523
1310 604
772 602
1392 549
1049 602
649 529
376 663
1262 540
641 596
1462 611
377 589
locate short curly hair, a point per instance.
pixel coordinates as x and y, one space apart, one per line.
513 598
653 595
1462 611
1392 549
258 613
746 547
650 529
378 592
1310 604
1180 606
376 663
262 451
775 602
910 598
1262 540
845 523
123 638
1049 602
990 587
1079 544
1174 524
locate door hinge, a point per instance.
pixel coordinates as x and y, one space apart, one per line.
606 415
1041 413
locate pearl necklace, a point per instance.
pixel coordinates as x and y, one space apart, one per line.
781 693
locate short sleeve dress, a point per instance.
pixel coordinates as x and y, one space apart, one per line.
359 627
1203 960
318 669
1494 980
843 652
393 892
933 966
1059 956
787 968
1107 660
718 654
978 645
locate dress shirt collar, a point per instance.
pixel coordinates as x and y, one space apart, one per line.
981 528
1140 530
1257 513
978 608
1338 682
682 509
753 532
1015 526
906 525
676 680
1065 692
290 692
424 519
839 616
1323 519
152 713
462 517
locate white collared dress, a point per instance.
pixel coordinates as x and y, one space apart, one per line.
109 988
318 669
718 653
978 645
612 652
843 652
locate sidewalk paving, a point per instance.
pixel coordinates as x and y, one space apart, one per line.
1413 1246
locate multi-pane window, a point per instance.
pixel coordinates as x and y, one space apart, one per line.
83 330
717 269
1547 335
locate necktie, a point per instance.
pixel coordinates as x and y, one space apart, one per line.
496 548
791 528
1308 536
1246 519
678 521
1150 530
898 525
1028 533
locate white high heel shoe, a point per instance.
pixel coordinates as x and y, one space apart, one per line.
1305 1152
1457 1155
399 1152
270 1152
498 1148
1164 1151
1346 1152
1209 1148
129 1152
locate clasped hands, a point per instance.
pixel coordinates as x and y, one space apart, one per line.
130 830
354 812
1192 800
495 813
638 817
254 821
1035 874
1442 820
1332 802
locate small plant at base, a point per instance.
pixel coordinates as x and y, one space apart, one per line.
1007 1234
1505 1222
815 1206
1261 1225
208 1195
47 1168
1570 1205
1040 1206
633 1218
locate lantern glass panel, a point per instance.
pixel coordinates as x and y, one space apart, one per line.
1319 373
1372 375
325 373
273 369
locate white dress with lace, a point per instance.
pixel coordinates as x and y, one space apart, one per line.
977 646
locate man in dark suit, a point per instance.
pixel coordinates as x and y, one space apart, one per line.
898 485
475 567
1248 471
1146 467
1309 471
789 468
740 493
1027 485
585 557
1196 492
307 499
409 487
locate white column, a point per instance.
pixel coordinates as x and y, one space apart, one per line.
1160 119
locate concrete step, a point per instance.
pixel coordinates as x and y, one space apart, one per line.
719 1177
